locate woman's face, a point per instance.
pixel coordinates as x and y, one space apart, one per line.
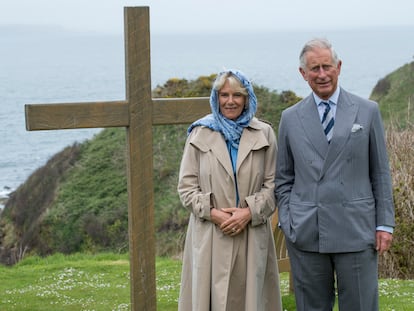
231 103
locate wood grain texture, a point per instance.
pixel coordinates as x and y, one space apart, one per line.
58 116
139 160
76 115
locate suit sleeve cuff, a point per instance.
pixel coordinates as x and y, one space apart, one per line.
386 229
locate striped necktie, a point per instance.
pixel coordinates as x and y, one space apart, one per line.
328 121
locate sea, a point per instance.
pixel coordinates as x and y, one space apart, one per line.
45 64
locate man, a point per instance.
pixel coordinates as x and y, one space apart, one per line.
333 188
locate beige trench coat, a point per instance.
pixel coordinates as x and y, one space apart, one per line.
207 281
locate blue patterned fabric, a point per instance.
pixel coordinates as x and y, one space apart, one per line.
231 129
328 121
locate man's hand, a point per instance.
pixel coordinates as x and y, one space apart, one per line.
383 241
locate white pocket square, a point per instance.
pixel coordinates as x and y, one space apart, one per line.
356 127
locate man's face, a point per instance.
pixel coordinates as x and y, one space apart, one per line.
321 72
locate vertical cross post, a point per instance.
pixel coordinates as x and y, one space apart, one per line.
139 160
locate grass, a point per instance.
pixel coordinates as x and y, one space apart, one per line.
78 282
84 282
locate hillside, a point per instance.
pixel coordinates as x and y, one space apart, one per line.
395 93
78 201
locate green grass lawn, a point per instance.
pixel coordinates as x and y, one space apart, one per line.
101 282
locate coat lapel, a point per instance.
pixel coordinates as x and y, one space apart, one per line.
345 116
212 140
219 148
252 139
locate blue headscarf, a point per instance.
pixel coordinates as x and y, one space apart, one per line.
231 129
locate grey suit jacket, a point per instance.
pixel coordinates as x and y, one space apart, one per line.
331 197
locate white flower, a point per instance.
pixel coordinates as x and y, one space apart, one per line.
356 127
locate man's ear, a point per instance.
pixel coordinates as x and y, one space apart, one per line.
338 67
303 73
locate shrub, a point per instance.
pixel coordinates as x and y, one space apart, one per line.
399 261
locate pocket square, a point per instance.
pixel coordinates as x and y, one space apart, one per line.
356 127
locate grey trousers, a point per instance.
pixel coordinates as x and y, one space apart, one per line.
316 277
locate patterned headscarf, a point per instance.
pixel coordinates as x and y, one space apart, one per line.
231 129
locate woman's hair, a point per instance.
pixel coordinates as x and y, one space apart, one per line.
313 44
234 83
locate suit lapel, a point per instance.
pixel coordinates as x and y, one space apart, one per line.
345 116
310 121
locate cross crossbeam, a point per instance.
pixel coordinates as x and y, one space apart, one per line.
110 114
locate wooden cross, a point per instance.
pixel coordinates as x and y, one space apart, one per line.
138 113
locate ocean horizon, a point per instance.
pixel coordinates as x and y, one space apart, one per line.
45 65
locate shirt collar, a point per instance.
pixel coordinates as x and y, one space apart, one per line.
333 99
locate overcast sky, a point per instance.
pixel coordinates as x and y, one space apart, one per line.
211 15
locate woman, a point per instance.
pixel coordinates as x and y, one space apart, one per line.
226 181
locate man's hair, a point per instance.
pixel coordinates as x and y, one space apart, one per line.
313 44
